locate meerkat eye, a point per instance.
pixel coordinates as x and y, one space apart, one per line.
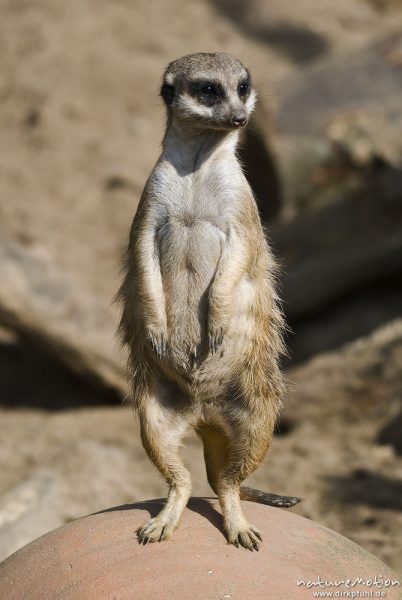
243 88
209 89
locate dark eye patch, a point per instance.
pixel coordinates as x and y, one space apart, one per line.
207 92
167 93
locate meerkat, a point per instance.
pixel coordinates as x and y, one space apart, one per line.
200 315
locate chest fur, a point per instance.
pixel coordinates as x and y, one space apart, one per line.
207 195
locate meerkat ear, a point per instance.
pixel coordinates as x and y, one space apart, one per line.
167 93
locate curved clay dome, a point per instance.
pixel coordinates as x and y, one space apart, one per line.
98 558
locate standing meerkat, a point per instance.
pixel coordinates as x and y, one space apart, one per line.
200 314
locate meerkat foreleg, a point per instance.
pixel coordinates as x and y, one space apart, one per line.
151 289
231 267
162 431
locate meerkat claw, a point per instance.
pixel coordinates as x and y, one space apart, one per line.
158 344
215 340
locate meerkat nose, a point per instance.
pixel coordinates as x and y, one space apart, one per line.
239 121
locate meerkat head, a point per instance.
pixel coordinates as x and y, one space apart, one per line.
208 91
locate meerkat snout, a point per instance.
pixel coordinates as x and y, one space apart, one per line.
239 121
208 91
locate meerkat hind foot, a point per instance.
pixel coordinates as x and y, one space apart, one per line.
248 536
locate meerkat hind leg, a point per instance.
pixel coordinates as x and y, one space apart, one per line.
215 454
227 465
161 433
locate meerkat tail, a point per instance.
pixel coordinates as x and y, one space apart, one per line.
253 495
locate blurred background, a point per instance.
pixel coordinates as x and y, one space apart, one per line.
81 124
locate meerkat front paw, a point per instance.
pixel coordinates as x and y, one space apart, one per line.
157 337
215 338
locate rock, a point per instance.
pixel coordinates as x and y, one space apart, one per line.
342 412
342 266
336 251
303 35
331 125
367 371
43 304
28 511
99 557
32 375
339 158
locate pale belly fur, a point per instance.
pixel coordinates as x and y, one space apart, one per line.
190 255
